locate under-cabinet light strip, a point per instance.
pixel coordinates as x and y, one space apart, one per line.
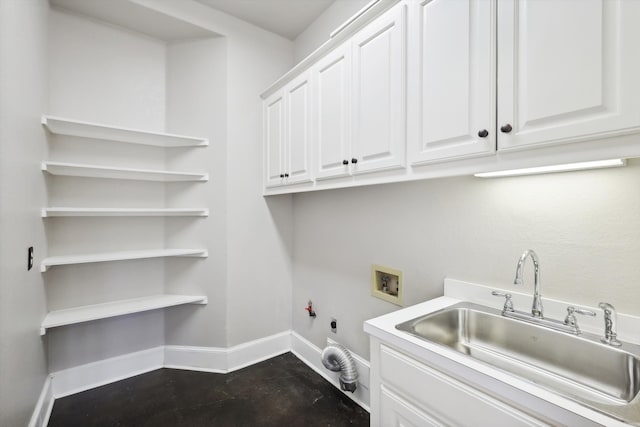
598 164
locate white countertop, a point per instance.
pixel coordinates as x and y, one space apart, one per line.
383 328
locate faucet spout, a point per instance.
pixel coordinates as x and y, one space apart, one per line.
536 308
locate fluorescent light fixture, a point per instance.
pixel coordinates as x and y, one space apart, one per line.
598 164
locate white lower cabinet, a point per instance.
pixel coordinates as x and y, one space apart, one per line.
443 400
411 391
397 412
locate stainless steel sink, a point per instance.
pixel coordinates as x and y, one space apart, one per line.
581 368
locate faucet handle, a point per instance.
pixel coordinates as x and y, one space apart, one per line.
508 304
571 320
610 320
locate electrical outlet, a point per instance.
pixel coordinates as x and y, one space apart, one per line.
30 258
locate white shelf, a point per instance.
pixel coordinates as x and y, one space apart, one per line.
61 126
88 313
93 171
119 256
64 212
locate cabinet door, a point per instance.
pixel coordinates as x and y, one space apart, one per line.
567 70
454 42
441 396
298 123
396 412
331 110
379 102
274 142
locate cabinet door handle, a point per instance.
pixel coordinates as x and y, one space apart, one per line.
354 160
506 128
345 162
281 176
483 133
286 175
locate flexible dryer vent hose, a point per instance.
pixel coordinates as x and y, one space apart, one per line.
338 359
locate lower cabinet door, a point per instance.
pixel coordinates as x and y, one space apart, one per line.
446 399
395 412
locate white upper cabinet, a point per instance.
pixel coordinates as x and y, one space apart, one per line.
379 87
331 113
454 62
274 139
287 133
567 70
298 126
360 101
416 89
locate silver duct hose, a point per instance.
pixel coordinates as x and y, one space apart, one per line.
338 359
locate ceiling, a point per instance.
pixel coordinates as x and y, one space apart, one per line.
135 17
287 18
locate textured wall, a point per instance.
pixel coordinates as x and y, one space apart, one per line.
196 104
585 226
23 97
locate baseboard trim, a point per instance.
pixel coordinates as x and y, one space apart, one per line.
44 406
224 360
95 374
310 355
207 359
250 353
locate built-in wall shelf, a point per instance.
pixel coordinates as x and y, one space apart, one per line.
93 171
88 313
119 256
61 126
64 212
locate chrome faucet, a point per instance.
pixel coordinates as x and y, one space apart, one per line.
610 320
536 308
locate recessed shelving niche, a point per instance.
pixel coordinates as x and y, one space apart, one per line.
106 134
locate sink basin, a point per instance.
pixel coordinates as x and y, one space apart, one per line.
581 368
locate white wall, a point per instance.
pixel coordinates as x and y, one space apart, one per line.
258 288
585 226
259 230
23 97
318 32
105 73
196 104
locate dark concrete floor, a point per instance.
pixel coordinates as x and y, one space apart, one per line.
281 391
